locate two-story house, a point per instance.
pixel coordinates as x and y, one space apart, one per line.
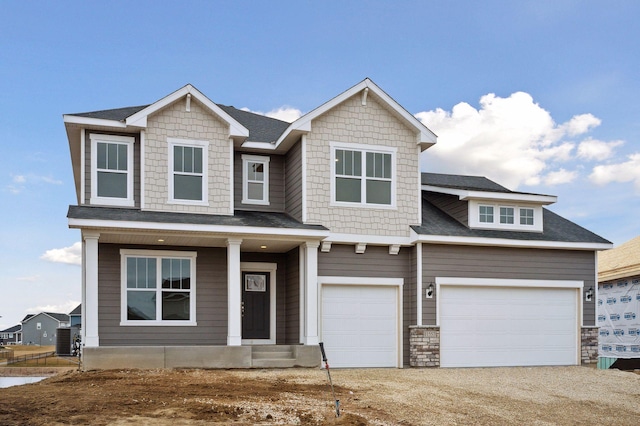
215 237
42 328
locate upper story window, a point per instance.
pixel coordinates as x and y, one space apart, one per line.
255 179
506 215
158 288
486 214
188 171
495 216
526 216
363 175
112 170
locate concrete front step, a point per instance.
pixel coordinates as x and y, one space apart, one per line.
274 363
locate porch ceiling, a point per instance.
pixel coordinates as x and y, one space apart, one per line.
249 243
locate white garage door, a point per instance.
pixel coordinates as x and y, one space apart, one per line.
360 325
498 326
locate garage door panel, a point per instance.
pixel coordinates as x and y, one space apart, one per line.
359 325
493 326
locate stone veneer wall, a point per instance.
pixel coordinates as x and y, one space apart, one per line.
589 345
424 346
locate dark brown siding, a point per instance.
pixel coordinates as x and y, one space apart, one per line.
276 185
211 303
293 182
136 166
292 335
506 263
450 204
375 262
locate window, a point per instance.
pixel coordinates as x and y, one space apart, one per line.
255 179
486 214
188 171
158 288
506 215
111 170
363 175
526 216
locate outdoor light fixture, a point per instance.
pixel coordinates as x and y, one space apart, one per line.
588 295
430 291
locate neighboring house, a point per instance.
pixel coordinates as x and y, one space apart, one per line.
618 300
215 237
42 329
11 336
75 317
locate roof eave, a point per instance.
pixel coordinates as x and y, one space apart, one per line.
465 194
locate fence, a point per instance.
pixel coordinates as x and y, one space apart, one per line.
12 359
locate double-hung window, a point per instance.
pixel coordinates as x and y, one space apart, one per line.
158 288
363 175
255 179
188 171
111 169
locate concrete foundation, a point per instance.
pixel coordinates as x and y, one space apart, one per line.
152 357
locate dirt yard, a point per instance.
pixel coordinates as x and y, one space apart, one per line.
497 396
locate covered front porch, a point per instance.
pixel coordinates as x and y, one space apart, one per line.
253 295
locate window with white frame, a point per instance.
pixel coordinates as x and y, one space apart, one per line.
483 214
506 215
526 216
111 169
188 171
255 179
486 214
363 175
158 288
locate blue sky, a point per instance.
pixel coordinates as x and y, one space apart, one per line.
540 96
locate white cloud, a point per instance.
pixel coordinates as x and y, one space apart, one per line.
18 179
70 255
20 182
62 308
284 113
628 171
512 140
593 149
30 278
559 177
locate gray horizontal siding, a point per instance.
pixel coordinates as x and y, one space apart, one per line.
211 303
292 333
506 263
375 262
450 204
293 182
276 185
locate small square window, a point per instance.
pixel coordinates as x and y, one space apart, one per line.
506 215
526 216
486 214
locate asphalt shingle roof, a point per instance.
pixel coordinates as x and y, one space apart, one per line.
556 228
240 218
12 329
261 128
77 310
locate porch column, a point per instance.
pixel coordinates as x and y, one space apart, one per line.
234 293
419 284
90 292
311 281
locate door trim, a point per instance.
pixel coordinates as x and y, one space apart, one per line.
271 268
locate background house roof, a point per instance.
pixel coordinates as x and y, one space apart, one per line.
13 329
620 262
56 316
77 310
